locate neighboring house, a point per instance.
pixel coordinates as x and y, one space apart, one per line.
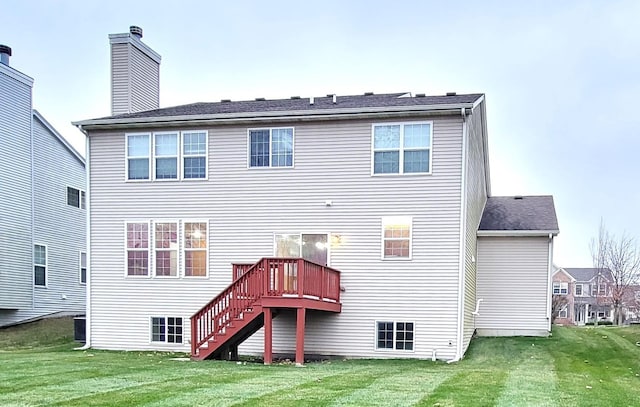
354 219
42 214
587 292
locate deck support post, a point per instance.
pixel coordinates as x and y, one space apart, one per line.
268 336
300 336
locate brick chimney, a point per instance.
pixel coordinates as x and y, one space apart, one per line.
135 73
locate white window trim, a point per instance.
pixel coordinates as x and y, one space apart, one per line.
401 149
166 334
152 243
395 219
575 290
564 309
148 249
300 235
81 194
270 129
183 249
86 268
127 157
183 156
375 336
560 285
177 156
46 265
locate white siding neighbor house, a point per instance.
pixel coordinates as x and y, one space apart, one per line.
334 225
42 214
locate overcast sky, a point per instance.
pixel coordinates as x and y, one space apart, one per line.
560 77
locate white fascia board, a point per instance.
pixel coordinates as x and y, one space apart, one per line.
329 114
518 232
127 38
17 75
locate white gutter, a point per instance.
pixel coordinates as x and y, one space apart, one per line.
463 239
549 281
87 343
328 114
498 233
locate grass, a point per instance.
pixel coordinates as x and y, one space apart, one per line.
575 367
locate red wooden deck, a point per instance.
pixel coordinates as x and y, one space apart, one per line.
257 292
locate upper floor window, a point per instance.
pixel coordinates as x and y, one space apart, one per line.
76 198
138 148
403 148
396 238
599 290
175 155
271 147
560 288
166 155
579 290
40 265
194 151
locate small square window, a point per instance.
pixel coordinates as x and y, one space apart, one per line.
395 335
166 329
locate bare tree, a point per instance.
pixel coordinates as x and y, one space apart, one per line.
618 258
558 302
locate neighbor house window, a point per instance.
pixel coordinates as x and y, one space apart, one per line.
195 249
194 152
76 198
598 290
166 249
560 288
578 290
40 265
83 267
564 313
138 154
396 238
166 155
394 335
166 329
403 148
137 239
271 147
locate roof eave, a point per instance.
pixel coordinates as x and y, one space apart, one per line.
517 232
320 114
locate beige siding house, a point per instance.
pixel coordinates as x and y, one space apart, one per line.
353 220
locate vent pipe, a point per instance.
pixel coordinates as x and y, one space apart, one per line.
5 53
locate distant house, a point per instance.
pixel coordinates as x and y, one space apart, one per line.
587 292
43 210
365 223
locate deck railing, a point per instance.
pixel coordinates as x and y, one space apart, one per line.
269 277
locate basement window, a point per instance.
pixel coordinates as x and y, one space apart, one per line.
394 335
166 329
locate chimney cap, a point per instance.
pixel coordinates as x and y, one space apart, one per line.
5 49
136 31
368 93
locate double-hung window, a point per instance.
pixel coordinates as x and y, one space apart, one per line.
166 155
271 147
194 153
76 198
138 156
40 265
137 249
195 249
560 288
402 148
396 237
579 290
83 267
394 335
166 249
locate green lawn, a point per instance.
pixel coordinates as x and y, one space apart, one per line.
575 367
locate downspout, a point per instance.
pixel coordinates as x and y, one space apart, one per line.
87 163
463 238
549 282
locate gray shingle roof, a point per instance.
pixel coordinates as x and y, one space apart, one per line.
523 213
302 104
586 274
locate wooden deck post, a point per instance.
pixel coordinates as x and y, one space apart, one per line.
300 336
268 336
